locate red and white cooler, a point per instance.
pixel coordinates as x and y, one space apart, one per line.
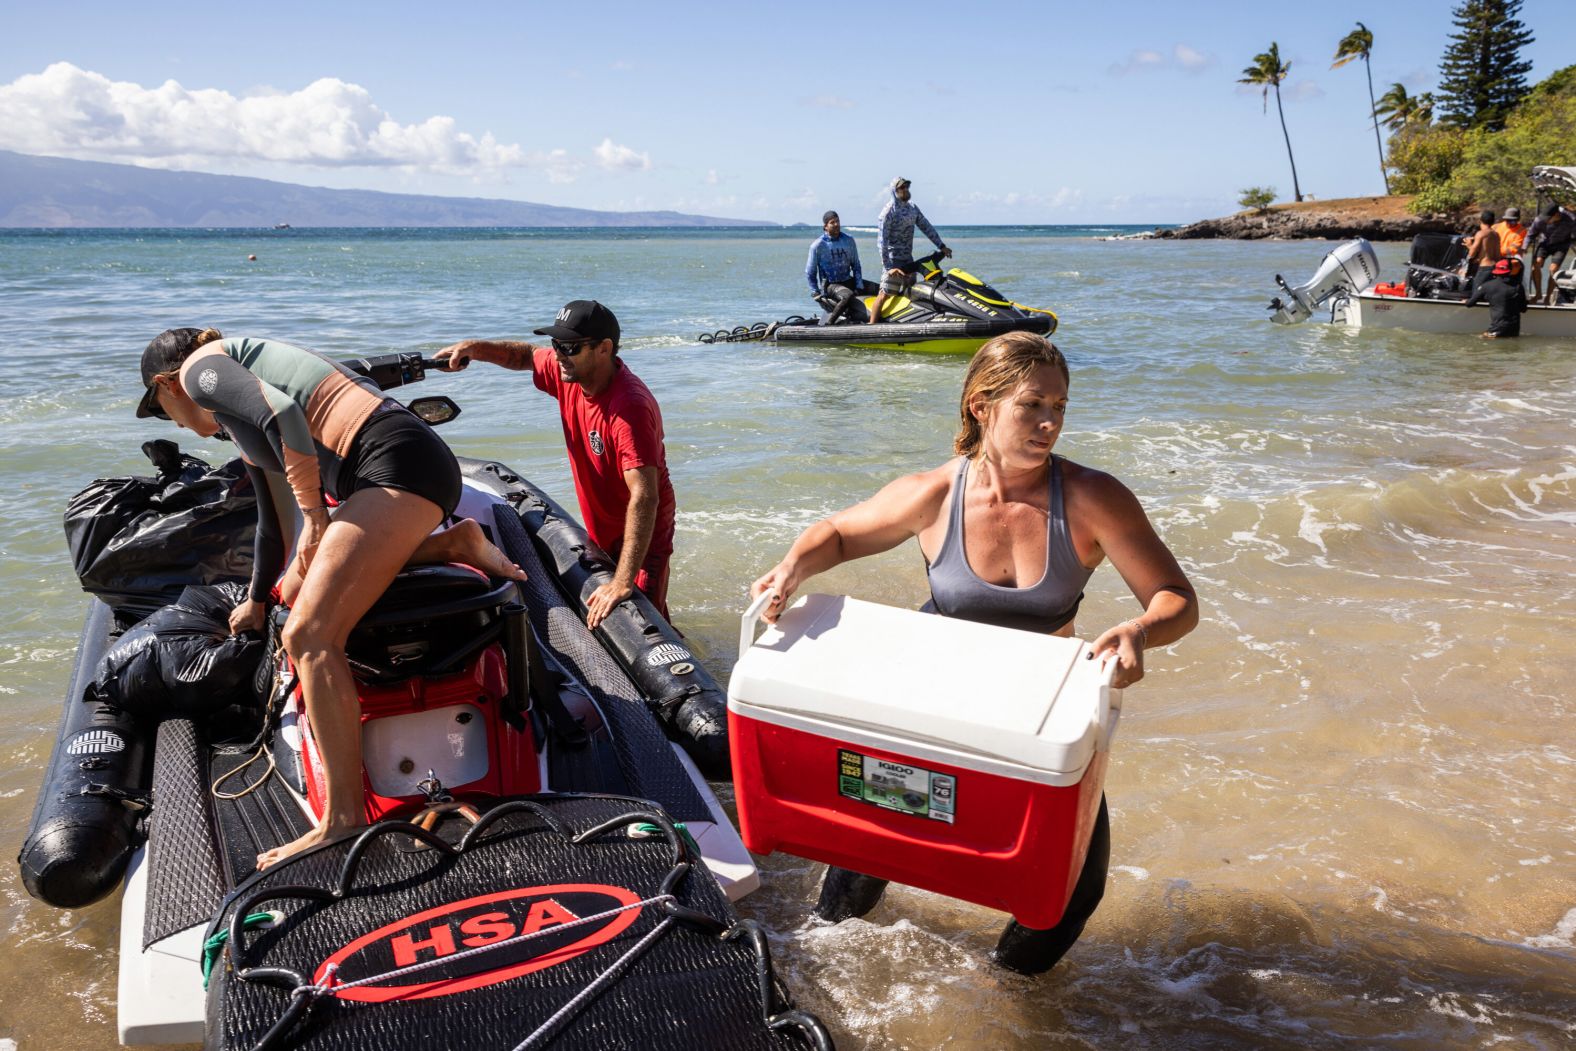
952 756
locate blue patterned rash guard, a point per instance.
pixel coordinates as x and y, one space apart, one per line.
833 261
895 242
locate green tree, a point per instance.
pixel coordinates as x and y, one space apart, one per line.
1423 158
1483 75
1267 72
1494 167
1259 198
1396 109
1354 45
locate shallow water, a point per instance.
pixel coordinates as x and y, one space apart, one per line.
1342 810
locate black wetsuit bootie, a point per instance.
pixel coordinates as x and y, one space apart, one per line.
846 894
1030 951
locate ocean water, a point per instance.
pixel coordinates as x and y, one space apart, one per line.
1342 809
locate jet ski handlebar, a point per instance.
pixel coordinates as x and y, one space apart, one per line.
394 370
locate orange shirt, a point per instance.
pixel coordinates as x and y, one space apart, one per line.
1511 237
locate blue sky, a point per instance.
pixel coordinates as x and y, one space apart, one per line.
1000 113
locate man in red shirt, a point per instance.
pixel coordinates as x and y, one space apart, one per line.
613 431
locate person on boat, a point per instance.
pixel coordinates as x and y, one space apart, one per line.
1482 251
1550 236
613 431
895 243
1512 235
1506 299
833 270
307 428
1010 533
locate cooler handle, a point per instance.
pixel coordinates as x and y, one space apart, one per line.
1110 707
751 615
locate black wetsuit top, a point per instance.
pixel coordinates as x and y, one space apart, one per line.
1507 300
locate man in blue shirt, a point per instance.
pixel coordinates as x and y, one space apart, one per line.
895 242
833 269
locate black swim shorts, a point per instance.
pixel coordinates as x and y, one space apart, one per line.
396 450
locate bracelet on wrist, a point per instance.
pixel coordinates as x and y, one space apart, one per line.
1143 633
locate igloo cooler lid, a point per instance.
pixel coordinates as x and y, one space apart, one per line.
1011 702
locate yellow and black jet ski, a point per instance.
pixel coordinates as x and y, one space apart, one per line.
942 312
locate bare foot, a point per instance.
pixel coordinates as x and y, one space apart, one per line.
468 544
324 833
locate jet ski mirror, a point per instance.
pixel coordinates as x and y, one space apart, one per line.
435 410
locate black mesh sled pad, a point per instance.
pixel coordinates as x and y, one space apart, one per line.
578 935
185 881
645 756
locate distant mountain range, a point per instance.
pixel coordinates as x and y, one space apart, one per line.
54 192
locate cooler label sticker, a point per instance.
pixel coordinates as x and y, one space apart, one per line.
896 786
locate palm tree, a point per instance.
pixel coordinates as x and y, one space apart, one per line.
1268 72
1354 45
1396 109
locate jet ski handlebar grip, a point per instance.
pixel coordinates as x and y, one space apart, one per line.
754 613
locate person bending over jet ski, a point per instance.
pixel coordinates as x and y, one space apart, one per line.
1010 533
895 243
307 426
833 269
1506 300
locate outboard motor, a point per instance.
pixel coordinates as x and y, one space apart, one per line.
1353 267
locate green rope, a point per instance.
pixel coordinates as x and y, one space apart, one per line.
656 830
215 945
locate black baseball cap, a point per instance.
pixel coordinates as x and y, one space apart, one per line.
583 319
165 353
828 217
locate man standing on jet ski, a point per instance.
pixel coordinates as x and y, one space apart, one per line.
833 269
895 242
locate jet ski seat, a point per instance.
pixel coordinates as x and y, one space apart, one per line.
429 621
426 592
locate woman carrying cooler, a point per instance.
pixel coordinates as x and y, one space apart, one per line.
306 426
1010 533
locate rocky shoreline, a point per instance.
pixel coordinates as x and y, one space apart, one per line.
1376 218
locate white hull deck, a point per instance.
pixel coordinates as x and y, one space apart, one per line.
1445 317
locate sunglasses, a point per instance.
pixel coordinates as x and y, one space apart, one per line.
155 407
569 350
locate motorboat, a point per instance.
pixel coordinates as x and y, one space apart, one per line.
1431 296
942 312
544 863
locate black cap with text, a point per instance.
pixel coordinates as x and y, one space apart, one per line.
583 319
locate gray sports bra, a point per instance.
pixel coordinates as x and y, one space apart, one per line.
955 590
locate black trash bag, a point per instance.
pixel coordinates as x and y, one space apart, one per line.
182 662
136 542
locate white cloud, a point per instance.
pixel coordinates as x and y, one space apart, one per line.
1143 60
1063 197
614 157
69 111
1138 61
805 198
711 177
1191 60
1303 90
828 102
66 111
